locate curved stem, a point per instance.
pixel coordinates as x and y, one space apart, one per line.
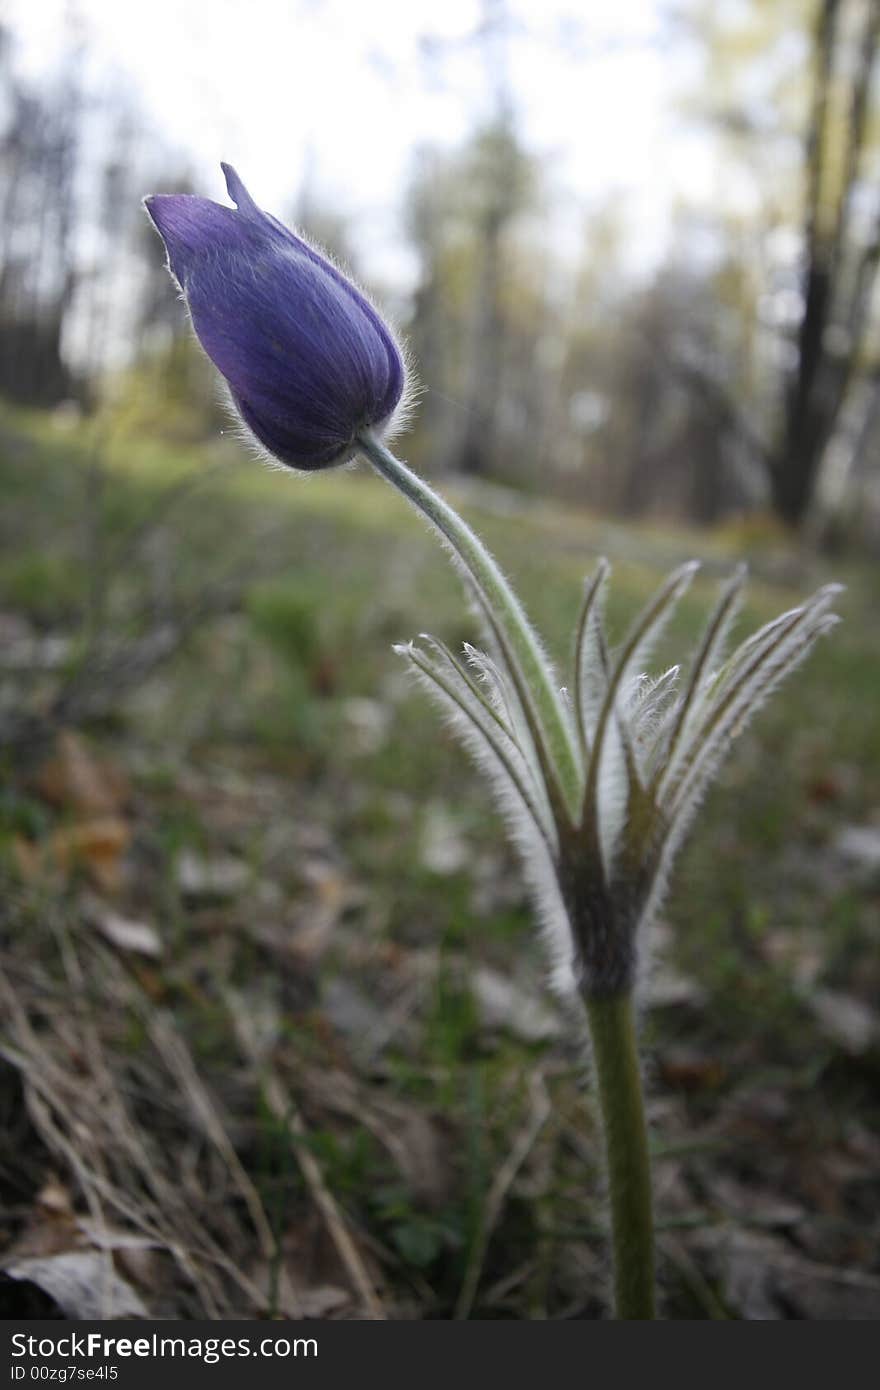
613 1034
542 704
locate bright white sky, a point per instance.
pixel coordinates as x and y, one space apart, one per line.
341 88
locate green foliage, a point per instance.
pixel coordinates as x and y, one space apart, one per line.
170 395
420 1238
452 1023
347 1160
288 616
46 587
20 814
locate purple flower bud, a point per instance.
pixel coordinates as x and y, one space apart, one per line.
308 360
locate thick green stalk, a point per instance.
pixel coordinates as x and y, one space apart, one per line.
615 1053
503 611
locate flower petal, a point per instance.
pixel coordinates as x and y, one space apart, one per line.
193 228
239 194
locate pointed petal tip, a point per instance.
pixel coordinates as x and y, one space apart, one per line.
237 191
147 205
164 211
231 177
167 210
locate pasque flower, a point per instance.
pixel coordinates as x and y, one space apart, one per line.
599 783
600 780
308 360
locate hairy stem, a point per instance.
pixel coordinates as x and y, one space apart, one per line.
542 701
615 1053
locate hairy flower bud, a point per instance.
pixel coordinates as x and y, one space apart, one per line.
308 360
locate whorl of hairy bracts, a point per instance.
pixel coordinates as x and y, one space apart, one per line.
648 750
308 360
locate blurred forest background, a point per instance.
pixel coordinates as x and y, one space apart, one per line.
737 375
274 1032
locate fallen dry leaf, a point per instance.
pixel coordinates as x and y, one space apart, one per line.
667 989
504 1004
74 779
859 845
219 877
70 1258
126 933
28 858
844 1019
84 1284
763 1279
96 845
688 1070
350 1009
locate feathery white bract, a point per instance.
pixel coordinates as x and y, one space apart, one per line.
647 748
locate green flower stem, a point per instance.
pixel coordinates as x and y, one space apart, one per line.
610 1017
615 1053
503 610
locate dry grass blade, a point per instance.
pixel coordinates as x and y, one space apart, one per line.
84 1107
286 1112
176 1055
539 1113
